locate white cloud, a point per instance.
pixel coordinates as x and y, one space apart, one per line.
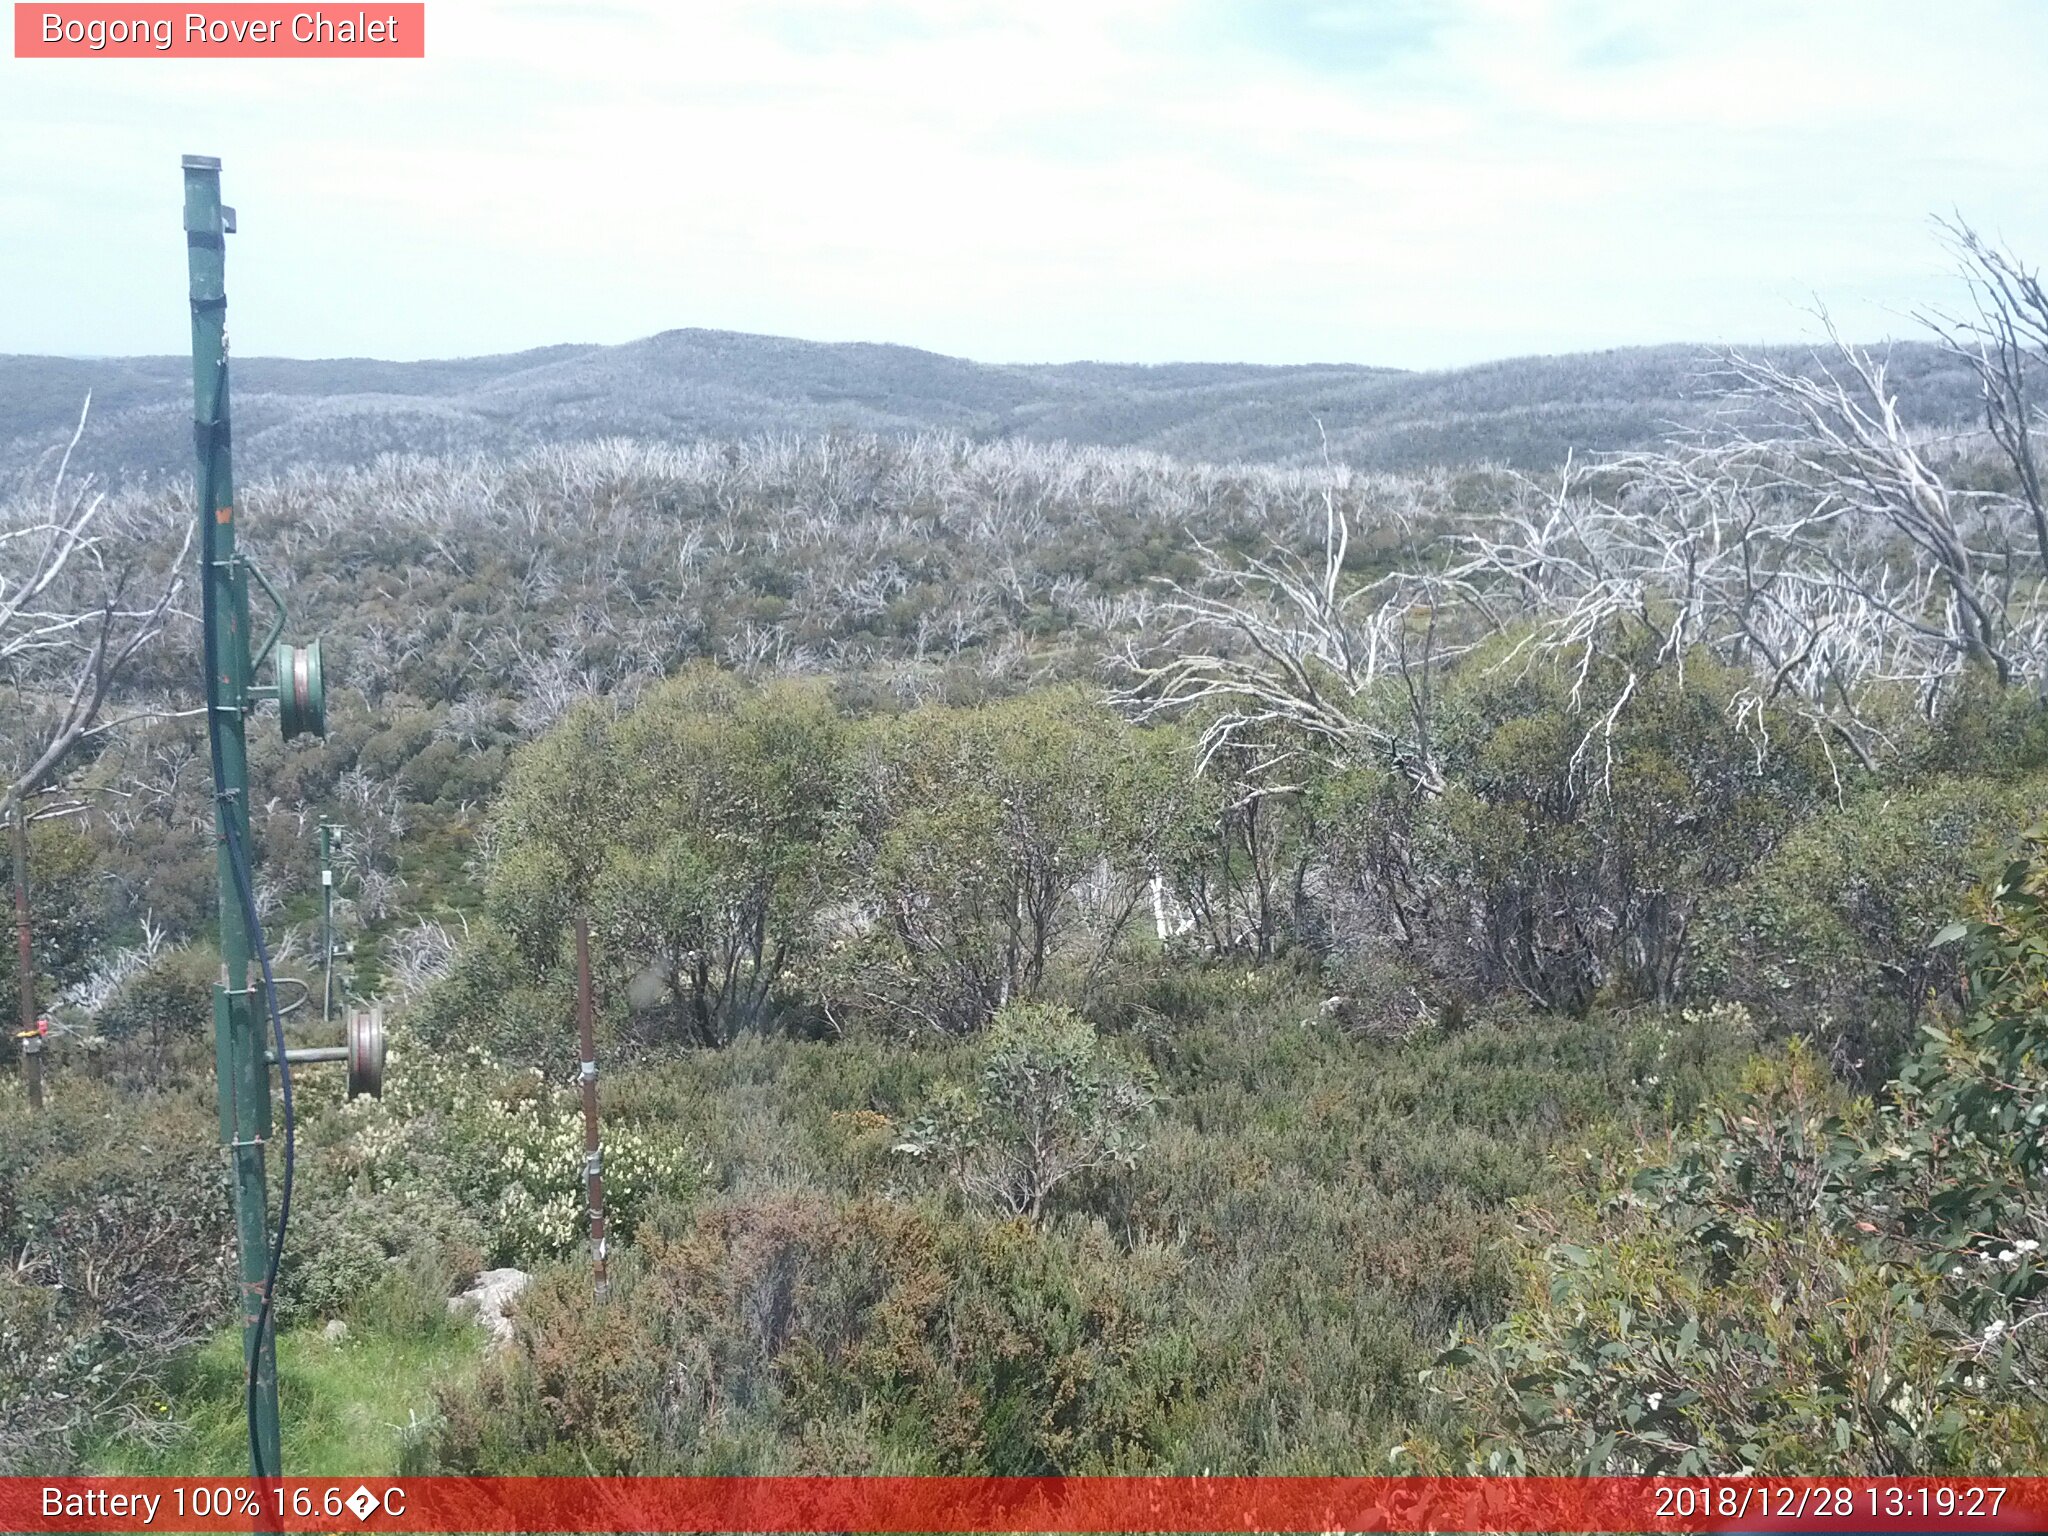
1145 179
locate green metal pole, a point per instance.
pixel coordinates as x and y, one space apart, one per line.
243 1079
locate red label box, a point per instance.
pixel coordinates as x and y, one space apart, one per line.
606 1506
376 30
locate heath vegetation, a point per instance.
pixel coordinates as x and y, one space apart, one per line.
1105 961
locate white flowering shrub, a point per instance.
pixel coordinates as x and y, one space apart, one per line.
539 1210
510 1144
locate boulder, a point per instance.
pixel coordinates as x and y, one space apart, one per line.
490 1298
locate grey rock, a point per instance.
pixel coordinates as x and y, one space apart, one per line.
490 1299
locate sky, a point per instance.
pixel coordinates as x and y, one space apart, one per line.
1410 183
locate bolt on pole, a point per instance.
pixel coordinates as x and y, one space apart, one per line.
243 1077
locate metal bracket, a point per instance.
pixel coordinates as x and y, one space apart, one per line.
262 652
593 1164
587 1073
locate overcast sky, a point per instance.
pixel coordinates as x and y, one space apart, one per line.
1420 183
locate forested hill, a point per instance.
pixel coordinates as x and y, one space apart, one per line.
694 384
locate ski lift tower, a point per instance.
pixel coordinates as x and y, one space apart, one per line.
248 1026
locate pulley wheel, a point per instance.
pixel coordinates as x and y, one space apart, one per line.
301 691
366 1053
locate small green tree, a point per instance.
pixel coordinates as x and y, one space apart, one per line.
988 843
697 833
68 911
115 1233
1052 1101
724 855
1830 933
1589 817
562 806
166 1004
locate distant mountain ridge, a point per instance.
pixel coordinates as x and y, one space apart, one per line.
687 384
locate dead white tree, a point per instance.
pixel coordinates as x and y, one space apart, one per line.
421 955
1849 456
1282 646
1693 548
81 596
2005 342
1814 537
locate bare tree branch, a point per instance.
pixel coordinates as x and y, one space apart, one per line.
71 622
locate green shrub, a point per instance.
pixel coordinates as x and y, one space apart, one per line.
69 904
1830 934
1589 818
113 1215
350 1245
507 1145
722 858
491 999
1809 1279
1050 1102
792 1333
986 847
163 1011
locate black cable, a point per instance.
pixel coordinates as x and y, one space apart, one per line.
238 864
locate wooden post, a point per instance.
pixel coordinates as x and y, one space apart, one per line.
593 1148
25 965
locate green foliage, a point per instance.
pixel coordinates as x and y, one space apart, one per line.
795 1333
492 1156
68 911
973 833
1586 820
1256 1292
163 1011
1983 730
718 865
492 999
1430 1006
352 1238
1972 1106
749 854
1829 934
354 1407
1809 1279
113 1219
1050 1102
1584 832
1242 859
562 796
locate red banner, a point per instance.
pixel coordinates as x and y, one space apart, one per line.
1077 1504
232 31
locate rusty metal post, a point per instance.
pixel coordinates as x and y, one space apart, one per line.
326 921
25 965
593 1148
